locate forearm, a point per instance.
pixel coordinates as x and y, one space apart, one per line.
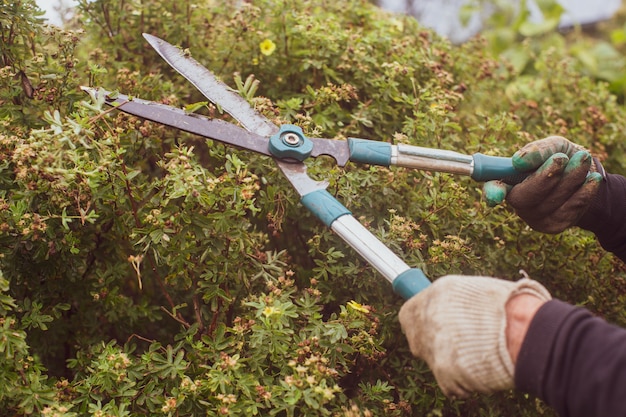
573 361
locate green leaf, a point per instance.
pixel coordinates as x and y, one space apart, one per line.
530 29
518 56
65 220
194 107
551 9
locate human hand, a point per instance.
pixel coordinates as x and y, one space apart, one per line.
458 325
558 193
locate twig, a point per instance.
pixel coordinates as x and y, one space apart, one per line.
136 336
176 317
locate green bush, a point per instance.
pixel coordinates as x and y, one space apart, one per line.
146 271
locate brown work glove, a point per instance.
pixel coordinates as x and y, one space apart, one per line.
558 193
458 324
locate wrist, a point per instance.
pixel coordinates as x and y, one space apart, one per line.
595 215
520 311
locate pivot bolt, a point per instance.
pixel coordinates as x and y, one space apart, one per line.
289 143
291 139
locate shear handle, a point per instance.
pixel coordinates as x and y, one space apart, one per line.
406 281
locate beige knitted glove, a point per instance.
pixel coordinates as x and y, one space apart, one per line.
458 326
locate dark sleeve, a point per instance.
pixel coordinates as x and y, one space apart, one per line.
606 217
574 361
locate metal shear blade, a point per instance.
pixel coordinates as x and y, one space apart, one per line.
235 105
171 116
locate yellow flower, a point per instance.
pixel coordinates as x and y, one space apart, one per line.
269 311
397 25
267 47
358 307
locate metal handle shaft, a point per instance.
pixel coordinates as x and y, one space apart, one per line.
406 281
480 167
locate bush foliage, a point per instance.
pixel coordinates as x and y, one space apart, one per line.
145 271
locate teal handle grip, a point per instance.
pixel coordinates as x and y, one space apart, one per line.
370 151
324 206
487 168
410 282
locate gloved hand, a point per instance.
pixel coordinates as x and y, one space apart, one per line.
458 324
558 193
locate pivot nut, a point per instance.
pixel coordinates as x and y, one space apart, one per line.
290 144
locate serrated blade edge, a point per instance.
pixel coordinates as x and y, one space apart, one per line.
212 88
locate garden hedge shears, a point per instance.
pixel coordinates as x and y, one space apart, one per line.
289 147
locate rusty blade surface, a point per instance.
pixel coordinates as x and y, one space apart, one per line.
212 88
216 129
338 149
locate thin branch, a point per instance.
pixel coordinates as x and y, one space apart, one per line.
196 309
176 317
145 339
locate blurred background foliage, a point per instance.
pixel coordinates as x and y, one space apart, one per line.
146 271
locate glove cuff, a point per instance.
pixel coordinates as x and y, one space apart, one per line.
483 309
467 318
